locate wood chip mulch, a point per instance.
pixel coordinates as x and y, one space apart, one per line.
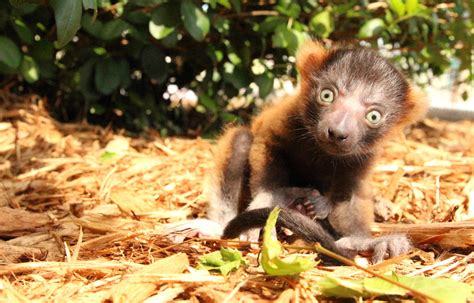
82 210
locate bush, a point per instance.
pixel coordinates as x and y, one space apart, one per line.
140 63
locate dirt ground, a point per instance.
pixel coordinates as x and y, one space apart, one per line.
83 208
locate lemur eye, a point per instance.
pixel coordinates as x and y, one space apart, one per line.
374 116
327 95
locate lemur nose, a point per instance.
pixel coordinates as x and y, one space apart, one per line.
337 135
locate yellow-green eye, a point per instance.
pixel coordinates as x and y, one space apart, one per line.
327 95
374 116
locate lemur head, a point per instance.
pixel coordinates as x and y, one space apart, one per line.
352 98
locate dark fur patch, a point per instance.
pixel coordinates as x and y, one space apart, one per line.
349 67
236 172
309 230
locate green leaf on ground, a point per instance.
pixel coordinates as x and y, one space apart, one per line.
444 289
107 157
271 261
225 260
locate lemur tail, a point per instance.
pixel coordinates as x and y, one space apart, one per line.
302 226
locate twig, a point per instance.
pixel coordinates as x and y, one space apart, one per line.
454 265
422 296
234 291
252 14
432 266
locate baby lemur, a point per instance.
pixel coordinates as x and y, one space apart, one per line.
318 145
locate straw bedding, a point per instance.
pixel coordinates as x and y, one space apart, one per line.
82 210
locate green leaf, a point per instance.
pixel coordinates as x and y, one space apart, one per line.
147 3
9 53
236 75
412 7
270 24
398 7
114 29
229 118
29 69
271 261
153 64
23 31
322 24
224 3
107 76
221 24
289 8
24 7
212 3
107 157
289 39
4 17
159 31
23 3
171 39
237 4
389 17
371 28
265 84
68 19
443 289
208 102
137 17
336 287
124 71
225 260
195 21
89 4
164 20
43 50
86 84
93 27
234 58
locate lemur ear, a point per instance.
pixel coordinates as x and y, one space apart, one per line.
416 106
310 57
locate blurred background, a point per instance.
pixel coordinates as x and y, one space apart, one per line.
186 67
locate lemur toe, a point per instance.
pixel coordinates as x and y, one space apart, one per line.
251 235
381 247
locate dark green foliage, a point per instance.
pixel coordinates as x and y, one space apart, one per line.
111 61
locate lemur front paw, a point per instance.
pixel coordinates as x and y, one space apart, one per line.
381 247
